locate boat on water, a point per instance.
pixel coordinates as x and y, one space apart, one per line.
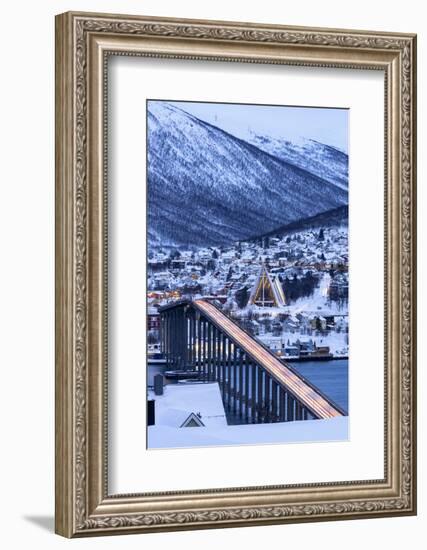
311 358
182 374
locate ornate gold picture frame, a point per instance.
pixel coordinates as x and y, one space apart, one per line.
84 42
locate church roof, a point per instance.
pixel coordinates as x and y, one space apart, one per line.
267 291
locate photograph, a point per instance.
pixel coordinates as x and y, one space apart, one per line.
247 332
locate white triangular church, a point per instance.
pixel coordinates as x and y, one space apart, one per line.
267 291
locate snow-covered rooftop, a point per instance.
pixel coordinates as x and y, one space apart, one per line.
180 400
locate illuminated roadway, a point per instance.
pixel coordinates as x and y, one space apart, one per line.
302 391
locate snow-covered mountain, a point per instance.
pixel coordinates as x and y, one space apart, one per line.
207 187
322 160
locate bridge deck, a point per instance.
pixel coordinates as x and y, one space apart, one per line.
306 394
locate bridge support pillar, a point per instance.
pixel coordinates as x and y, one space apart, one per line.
166 337
267 391
199 344
260 404
241 384
253 392
298 410
290 414
229 369
234 378
204 344
246 390
274 410
282 410
224 368
218 355
209 359
216 352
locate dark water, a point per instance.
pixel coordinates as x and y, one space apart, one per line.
331 377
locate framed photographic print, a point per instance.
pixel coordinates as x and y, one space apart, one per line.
235 274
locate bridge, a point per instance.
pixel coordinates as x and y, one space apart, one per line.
255 384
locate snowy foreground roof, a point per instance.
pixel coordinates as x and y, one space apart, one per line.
179 401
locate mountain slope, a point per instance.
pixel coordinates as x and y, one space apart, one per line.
319 159
206 187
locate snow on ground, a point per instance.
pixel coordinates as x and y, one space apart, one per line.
337 341
305 431
318 303
180 400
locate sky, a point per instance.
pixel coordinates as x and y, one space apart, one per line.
329 126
